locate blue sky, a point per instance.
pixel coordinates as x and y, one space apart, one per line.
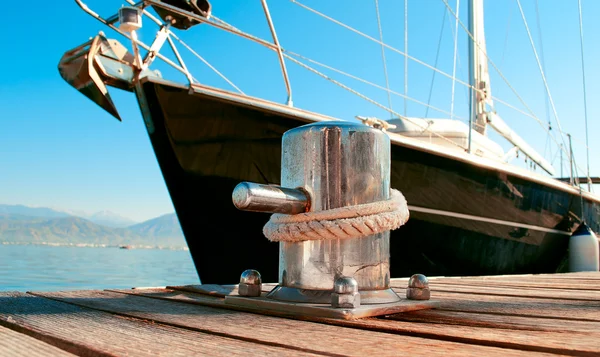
58 149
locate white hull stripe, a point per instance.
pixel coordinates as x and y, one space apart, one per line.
485 219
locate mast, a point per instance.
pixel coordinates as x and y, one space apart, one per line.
480 101
479 75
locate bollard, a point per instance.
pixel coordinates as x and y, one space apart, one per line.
324 166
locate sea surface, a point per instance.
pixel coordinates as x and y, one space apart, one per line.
54 268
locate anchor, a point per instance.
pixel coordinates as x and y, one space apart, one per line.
332 217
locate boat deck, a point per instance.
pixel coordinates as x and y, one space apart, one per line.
483 316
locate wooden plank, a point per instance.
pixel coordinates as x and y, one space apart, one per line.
563 343
593 277
17 344
574 281
457 301
576 343
90 332
478 319
516 292
324 338
507 305
553 284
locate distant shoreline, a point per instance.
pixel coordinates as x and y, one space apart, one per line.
91 245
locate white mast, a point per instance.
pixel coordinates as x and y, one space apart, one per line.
480 100
480 77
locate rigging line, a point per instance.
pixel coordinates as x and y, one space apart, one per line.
532 115
223 23
385 72
539 26
160 23
585 112
425 129
209 65
506 37
576 178
455 58
369 83
489 60
541 71
460 67
386 45
347 74
580 142
437 56
406 52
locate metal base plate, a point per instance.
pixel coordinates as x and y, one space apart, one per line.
367 297
273 307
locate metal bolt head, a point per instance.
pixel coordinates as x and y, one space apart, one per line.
345 285
249 290
350 301
251 277
418 281
418 294
250 283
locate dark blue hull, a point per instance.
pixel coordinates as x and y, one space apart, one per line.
465 219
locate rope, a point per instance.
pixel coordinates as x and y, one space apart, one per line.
340 223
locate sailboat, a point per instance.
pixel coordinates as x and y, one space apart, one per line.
471 212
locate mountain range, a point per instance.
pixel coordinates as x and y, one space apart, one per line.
42 225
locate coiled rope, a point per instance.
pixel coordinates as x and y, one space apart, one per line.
340 223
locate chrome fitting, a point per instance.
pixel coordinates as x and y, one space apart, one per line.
345 293
250 283
418 288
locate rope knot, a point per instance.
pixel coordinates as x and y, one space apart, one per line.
339 223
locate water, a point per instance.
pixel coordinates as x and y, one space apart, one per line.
47 268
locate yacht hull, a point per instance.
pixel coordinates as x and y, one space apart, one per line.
466 219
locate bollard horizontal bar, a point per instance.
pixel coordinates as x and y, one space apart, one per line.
249 196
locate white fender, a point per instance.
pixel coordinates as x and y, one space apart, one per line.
584 252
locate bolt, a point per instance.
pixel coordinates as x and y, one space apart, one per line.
345 293
250 283
418 288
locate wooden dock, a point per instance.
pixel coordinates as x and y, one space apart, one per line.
556 314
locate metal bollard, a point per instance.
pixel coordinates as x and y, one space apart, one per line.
324 166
